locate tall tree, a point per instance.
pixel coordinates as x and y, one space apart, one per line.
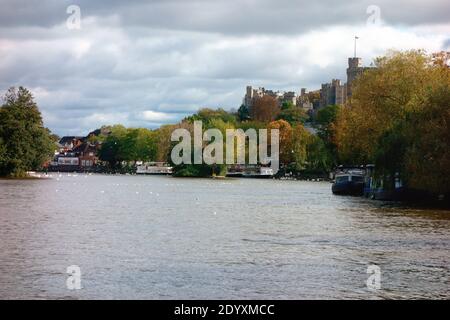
265 109
292 114
146 145
111 150
243 113
285 135
24 142
398 119
300 139
326 123
206 114
163 142
381 97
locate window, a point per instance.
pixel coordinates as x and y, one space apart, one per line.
341 179
357 178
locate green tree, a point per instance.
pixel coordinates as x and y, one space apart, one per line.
206 114
251 125
24 142
203 170
146 145
319 159
327 115
243 113
300 139
427 161
287 105
325 123
399 118
163 142
2 152
293 115
111 150
129 145
381 96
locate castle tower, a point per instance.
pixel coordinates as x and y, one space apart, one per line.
354 70
248 98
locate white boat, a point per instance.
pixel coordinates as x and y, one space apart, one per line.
249 171
154 168
37 175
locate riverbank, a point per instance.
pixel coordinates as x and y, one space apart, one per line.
31 175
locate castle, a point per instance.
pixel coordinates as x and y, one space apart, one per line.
334 92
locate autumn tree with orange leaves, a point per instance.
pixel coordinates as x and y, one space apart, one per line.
265 109
285 136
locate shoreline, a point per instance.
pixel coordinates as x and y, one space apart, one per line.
426 204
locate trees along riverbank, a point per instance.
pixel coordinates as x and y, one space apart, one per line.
25 144
399 119
294 139
127 145
124 146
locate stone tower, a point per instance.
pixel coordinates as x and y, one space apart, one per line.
354 69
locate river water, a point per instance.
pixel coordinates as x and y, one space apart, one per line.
150 237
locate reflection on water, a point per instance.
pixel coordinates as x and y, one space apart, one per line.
167 238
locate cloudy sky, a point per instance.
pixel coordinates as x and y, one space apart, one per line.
146 63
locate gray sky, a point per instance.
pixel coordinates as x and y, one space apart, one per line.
146 64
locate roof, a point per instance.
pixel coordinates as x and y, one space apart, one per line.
68 139
84 147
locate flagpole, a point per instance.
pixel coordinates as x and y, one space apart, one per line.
355 46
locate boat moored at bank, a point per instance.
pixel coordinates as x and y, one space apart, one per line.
349 181
250 171
154 168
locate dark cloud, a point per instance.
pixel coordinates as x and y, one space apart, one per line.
150 63
225 16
